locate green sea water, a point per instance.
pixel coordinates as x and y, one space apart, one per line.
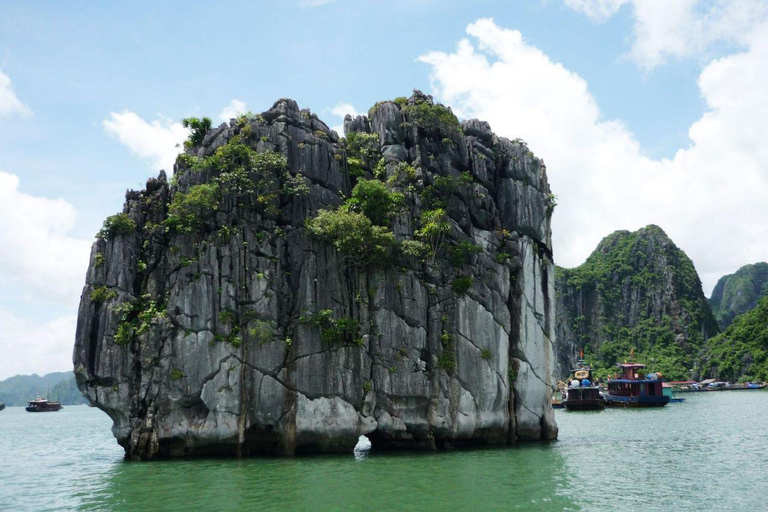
709 453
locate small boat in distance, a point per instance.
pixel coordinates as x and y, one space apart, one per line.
43 405
632 388
582 394
2 406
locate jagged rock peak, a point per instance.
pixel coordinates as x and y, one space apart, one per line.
639 291
288 291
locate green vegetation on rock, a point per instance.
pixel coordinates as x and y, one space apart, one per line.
103 294
198 129
635 291
334 331
740 353
353 234
739 292
188 211
118 224
373 199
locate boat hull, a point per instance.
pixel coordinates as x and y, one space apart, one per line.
588 404
636 401
47 408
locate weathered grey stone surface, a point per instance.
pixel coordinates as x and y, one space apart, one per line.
180 388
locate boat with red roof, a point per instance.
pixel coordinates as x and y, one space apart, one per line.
631 387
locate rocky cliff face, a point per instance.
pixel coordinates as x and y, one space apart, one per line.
289 291
636 291
739 292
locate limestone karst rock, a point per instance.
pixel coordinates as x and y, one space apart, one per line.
639 291
215 321
739 292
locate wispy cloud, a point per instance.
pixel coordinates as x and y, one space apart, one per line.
341 110
36 251
666 30
234 109
9 103
155 141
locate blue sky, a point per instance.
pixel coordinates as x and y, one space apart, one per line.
634 74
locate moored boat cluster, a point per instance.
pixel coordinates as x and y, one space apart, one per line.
631 386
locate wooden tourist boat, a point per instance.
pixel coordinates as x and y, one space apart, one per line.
43 405
631 388
582 393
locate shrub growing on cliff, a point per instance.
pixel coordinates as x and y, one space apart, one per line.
373 199
136 317
551 202
434 227
333 330
353 234
436 195
118 224
363 145
198 129
188 211
447 359
402 175
461 253
362 149
414 248
434 119
461 284
103 294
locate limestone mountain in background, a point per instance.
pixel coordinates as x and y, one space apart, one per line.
59 386
288 290
639 291
740 353
739 292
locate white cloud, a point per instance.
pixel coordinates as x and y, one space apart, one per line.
665 29
39 261
341 110
9 103
154 141
33 347
710 198
596 10
35 250
231 111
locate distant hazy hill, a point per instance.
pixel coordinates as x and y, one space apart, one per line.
741 352
739 292
59 386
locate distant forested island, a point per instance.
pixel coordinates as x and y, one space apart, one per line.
60 386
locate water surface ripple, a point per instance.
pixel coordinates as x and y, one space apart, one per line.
706 454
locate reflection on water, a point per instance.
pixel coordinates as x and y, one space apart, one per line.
707 453
525 479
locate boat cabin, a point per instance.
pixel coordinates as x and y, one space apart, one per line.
631 381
